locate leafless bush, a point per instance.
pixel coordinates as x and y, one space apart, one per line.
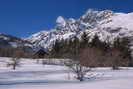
15 60
78 69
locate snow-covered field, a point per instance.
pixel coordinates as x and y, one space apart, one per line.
37 76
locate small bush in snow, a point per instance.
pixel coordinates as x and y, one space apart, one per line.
14 62
78 69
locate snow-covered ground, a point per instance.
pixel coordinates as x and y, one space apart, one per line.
36 76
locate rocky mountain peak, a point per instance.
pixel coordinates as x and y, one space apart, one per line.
106 23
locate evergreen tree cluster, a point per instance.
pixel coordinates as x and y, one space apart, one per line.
94 53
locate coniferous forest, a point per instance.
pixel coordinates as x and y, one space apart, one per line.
94 52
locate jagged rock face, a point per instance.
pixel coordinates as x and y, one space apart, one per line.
93 18
106 24
8 41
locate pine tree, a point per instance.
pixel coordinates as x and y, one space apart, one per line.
121 47
97 43
84 40
75 45
54 53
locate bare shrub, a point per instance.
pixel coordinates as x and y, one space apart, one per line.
15 60
78 69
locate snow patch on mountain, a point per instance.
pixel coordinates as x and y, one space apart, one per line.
121 20
61 20
106 24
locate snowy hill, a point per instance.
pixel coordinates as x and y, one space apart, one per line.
106 24
8 41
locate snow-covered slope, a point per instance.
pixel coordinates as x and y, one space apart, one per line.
31 75
8 41
106 24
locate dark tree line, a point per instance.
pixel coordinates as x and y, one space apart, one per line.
95 53
9 52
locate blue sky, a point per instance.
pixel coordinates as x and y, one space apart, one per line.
24 17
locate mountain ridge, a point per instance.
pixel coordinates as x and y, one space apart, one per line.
13 42
106 24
